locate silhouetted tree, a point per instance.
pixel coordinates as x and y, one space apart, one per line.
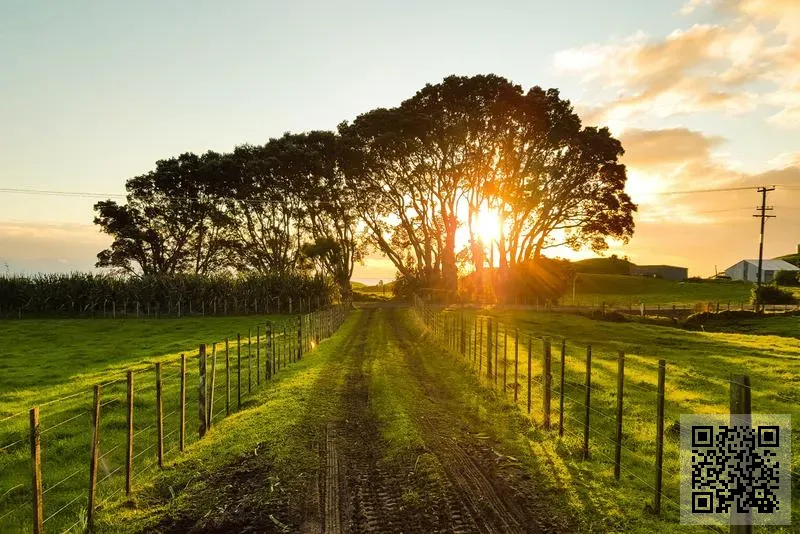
172 221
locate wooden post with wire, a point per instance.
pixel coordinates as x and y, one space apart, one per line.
227 379
95 454
530 361
249 362
662 371
547 380
489 350
201 397
561 389
588 402
159 417
238 371
620 384
213 384
36 472
258 355
182 429
129 447
516 366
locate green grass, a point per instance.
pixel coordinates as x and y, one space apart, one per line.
780 325
281 425
622 290
699 365
55 363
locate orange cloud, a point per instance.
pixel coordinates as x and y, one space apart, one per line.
704 68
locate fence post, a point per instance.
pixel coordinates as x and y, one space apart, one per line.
530 358
227 380
620 383
36 472
662 368
740 416
159 417
561 389
463 335
249 362
238 371
588 401
182 429
516 368
505 361
547 378
94 458
201 385
489 350
213 384
258 355
129 447
474 339
300 338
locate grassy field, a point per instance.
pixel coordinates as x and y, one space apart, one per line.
55 363
699 365
623 290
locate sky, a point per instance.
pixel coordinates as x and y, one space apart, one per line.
703 94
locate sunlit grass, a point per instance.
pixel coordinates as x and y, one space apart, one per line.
699 365
55 363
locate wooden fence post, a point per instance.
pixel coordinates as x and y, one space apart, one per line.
129 447
182 429
159 417
530 361
547 379
94 458
249 363
561 389
300 338
202 409
227 379
238 371
740 416
620 383
516 367
213 384
588 402
505 361
36 472
258 355
474 339
662 367
489 350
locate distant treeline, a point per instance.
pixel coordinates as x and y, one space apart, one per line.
179 294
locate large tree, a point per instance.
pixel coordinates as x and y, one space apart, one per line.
469 144
172 221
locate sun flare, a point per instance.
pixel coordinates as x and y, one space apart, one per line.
487 225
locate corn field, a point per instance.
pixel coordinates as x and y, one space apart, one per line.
93 295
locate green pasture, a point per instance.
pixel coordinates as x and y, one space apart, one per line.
624 290
698 368
55 363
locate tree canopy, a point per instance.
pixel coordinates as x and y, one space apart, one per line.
407 181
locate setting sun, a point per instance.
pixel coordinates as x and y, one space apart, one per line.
487 224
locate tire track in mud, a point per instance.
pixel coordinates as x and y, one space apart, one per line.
479 499
361 495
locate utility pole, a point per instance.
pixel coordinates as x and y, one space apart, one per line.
763 209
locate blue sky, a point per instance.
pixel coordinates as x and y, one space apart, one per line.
93 93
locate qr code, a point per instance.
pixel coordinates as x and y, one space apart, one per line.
736 469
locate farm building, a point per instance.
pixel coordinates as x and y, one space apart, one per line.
748 270
667 272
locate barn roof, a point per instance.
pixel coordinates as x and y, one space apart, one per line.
774 265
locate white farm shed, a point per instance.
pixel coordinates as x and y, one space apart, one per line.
748 270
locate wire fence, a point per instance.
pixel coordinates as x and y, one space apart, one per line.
571 391
86 449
